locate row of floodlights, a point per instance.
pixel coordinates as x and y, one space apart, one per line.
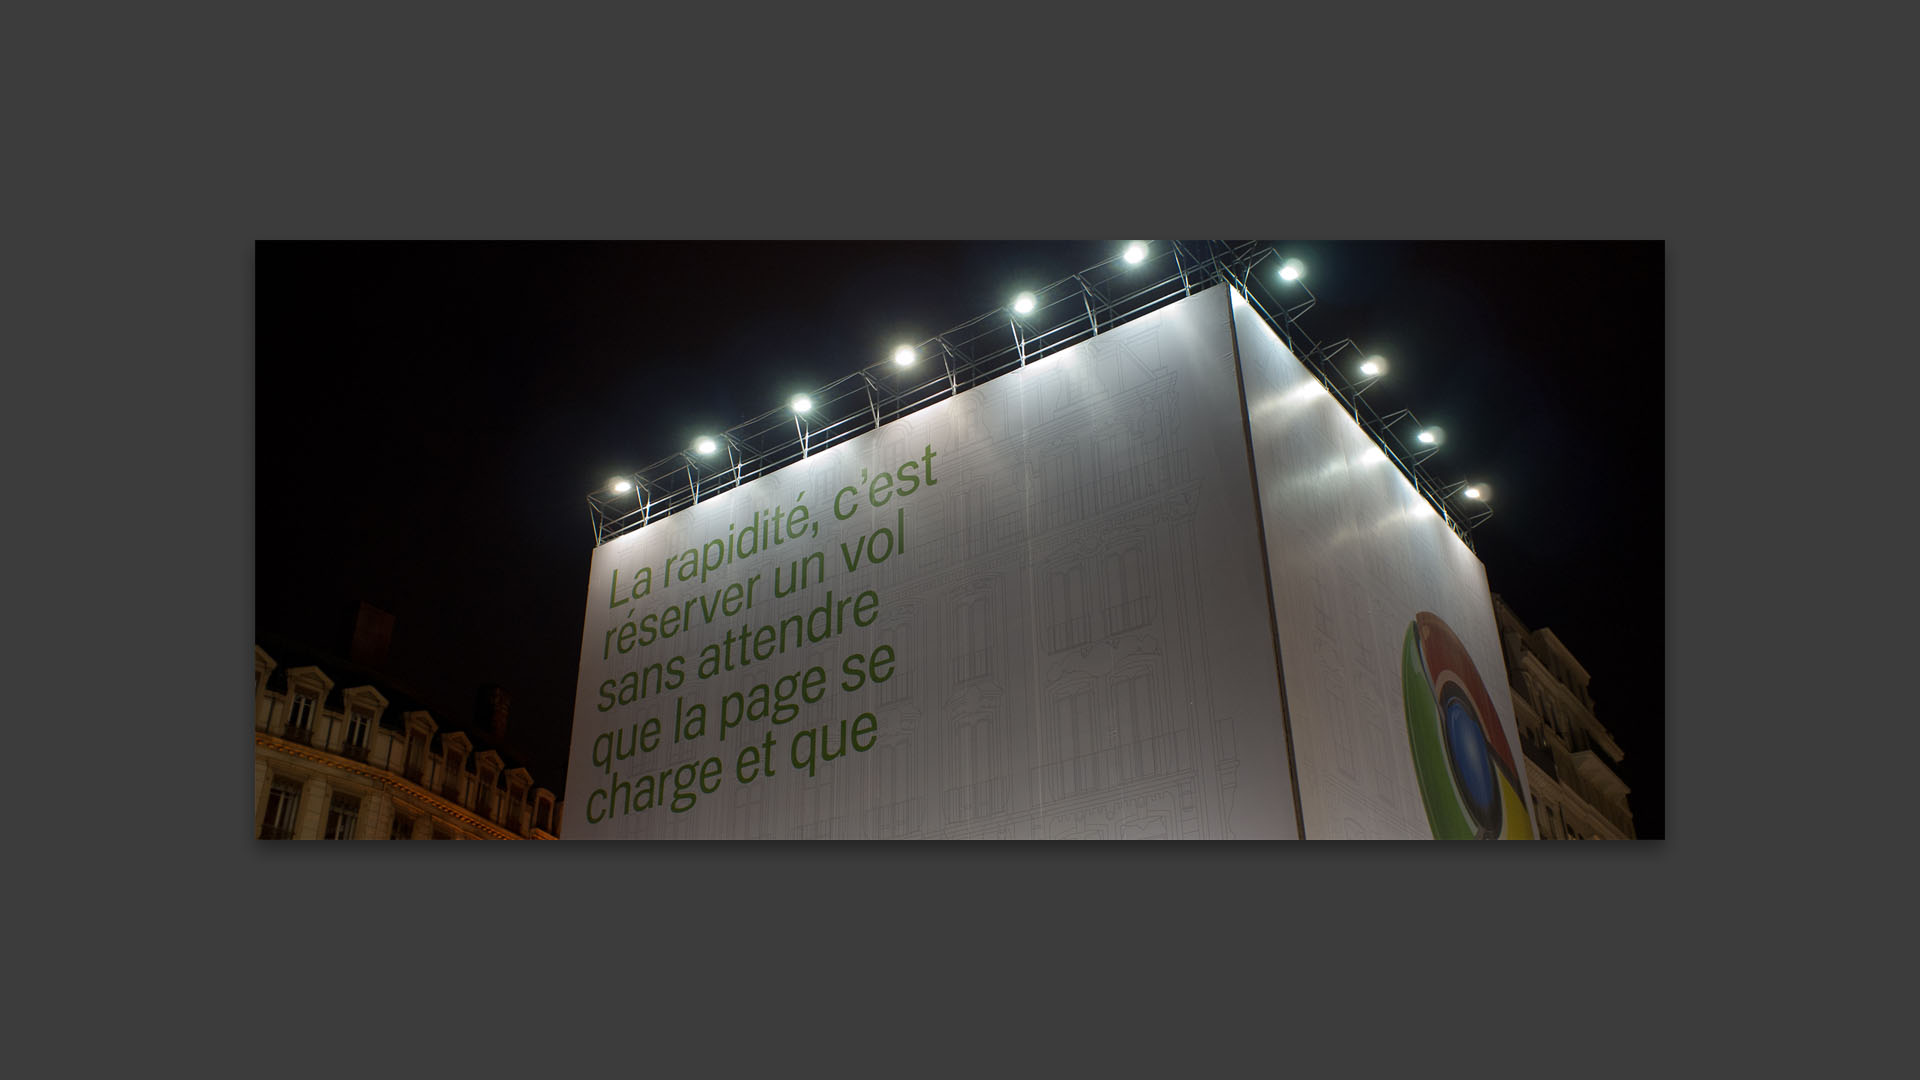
1291 270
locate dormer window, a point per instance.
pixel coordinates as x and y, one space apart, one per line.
359 729
363 707
300 717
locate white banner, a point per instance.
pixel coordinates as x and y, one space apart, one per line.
1402 722
1036 610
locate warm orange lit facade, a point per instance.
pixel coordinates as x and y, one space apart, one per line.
1571 757
346 762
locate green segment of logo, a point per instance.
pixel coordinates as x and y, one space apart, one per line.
1445 815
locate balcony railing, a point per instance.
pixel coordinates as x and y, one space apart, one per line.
273 832
356 753
301 735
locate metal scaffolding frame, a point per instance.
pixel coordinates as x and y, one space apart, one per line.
1066 312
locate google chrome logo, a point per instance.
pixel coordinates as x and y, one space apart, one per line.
1466 765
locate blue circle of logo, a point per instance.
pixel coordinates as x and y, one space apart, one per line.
1472 765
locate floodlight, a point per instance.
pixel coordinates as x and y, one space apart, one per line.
1135 252
1472 493
1292 269
1023 303
622 486
705 445
1430 438
1372 368
801 403
905 356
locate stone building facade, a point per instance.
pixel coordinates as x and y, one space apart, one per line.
1571 757
337 757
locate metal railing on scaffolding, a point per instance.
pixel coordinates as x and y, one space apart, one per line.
1062 314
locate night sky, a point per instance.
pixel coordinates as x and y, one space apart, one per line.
430 419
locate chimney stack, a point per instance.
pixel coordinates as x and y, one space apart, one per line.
372 635
490 711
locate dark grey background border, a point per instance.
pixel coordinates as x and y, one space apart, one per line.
162 145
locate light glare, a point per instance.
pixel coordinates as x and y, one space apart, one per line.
1371 369
705 445
1428 437
1472 493
1023 303
904 356
1292 269
1136 251
622 486
801 403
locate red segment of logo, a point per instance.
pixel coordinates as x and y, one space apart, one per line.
1446 655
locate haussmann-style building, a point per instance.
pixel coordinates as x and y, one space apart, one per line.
341 754
1571 756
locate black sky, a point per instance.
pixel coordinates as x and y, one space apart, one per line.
430 417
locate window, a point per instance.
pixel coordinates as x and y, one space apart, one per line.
416 747
341 817
402 828
359 727
300 716
283 802
456 775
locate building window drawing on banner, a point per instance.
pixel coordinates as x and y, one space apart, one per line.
1119 472
1068 624
973 637
1146 739
896 783
975 788
749 812
976 504
1068 753
1127 595
1064 488
816 810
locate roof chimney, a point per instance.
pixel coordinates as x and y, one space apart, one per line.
372 634
490 711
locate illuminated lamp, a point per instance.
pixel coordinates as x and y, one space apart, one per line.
801 403
1135 253
1023 303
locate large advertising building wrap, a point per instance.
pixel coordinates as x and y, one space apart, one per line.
1402 724
1054 607
1034 610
